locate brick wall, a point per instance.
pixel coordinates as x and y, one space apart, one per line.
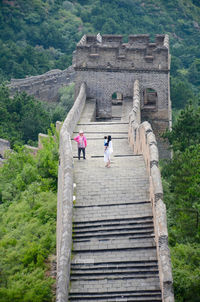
44 87
143 141
107 65
65 197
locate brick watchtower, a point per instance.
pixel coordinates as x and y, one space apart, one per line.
108 66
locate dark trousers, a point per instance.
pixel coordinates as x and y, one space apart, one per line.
79 152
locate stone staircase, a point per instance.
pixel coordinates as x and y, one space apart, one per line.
114 253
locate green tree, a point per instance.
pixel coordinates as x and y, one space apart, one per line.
184 176
181 92
194 72
28 222
186 272
22 117
181 183
186 130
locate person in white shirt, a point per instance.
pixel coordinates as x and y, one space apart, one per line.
108 149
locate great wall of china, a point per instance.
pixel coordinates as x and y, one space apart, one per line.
112 239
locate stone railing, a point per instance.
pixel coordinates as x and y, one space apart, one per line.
65 197
166 41
143 141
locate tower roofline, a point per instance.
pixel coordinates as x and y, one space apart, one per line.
134 41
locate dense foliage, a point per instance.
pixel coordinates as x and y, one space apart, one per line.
186 131
28 222
36 36
58 111
22 117
40 35
181 179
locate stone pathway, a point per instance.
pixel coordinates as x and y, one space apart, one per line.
114 252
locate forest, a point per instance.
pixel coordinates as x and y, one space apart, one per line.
40 35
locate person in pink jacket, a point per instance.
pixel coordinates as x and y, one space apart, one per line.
82 143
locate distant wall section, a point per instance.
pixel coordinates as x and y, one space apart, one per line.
43 87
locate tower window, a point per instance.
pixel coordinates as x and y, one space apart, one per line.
117 98
150 97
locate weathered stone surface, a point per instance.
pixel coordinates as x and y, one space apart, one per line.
104 198
143 141
44 87
4 146
32 149
65 197
107 65
109 205
110 195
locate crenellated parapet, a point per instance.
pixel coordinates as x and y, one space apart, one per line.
110 66
109 52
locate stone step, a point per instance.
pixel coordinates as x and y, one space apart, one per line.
102 127
118 231
93 257
153 296
116 270
113 228
116 285
135 205
117 299
114 220
107 236
109 231
114 223
93 201
102 124
114 245
126 271
117 276
142 264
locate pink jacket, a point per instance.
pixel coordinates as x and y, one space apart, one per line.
77 139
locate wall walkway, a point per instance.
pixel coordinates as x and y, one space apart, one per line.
115 254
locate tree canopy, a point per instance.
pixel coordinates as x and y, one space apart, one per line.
28 222
181 181
23 117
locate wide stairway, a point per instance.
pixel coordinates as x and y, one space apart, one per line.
114 253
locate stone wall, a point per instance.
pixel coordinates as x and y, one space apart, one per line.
65 197
109 51
4 146
102 84
44 87
143 141
109 66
